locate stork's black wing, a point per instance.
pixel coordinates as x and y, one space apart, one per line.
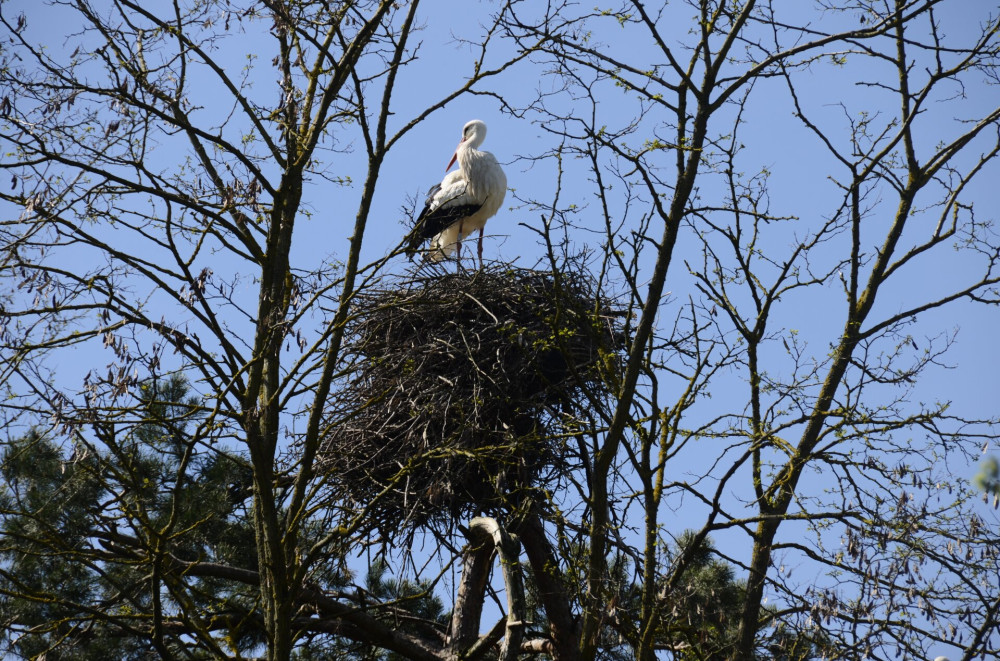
434 220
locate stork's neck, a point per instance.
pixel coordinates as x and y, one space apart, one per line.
467 154
475 167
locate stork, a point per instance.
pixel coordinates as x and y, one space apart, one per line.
464 200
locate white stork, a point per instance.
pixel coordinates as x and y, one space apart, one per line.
463 201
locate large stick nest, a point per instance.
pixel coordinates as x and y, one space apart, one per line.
463 387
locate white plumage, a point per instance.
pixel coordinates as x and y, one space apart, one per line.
464 200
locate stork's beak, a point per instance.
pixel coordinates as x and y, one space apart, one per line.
454 157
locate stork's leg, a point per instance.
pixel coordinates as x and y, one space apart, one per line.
458 245
480 248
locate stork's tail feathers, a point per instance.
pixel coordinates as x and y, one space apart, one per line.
413 242
417 236
413 246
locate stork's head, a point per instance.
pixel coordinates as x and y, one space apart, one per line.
473 134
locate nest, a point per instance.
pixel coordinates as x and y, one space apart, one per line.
462 386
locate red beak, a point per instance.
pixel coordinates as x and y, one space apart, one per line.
454 156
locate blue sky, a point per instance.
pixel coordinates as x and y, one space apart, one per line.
800 186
